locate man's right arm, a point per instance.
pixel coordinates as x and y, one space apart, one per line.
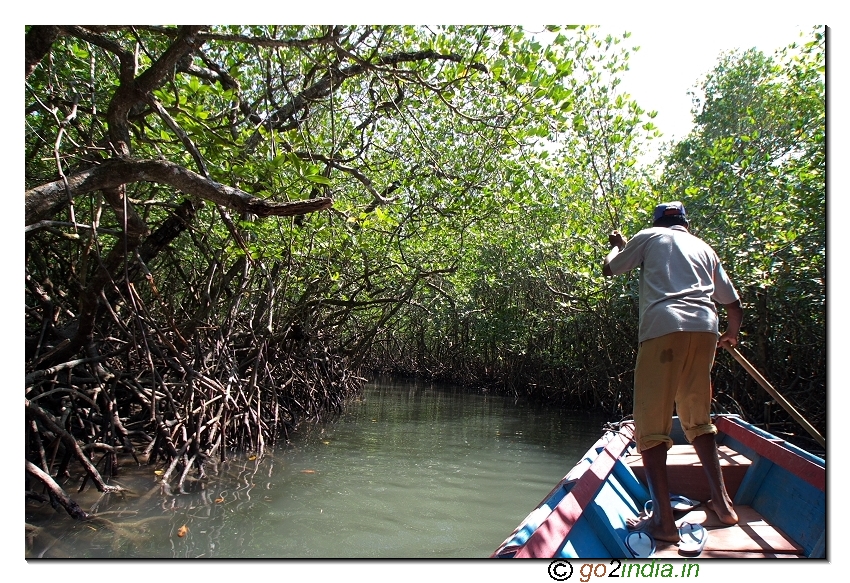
606 269
617 242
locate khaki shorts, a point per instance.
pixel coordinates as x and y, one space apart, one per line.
674 369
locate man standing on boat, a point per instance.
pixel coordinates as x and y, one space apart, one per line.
681 278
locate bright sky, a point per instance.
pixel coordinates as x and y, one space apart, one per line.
672 60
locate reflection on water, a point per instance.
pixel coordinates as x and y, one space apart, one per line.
408 471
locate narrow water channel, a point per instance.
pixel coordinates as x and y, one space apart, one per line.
408 471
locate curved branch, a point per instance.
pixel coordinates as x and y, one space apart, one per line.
67 503
334 77
132 89
43 201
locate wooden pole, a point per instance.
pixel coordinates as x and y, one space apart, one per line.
736 354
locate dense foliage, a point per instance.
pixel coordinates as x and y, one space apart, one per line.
533 314
228 227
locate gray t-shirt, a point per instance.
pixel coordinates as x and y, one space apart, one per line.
680 279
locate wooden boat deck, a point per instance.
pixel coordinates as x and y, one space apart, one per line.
752 537
686 475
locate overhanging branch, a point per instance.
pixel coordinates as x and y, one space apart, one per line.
43 201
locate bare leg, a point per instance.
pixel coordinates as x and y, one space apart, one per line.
661 524
720 502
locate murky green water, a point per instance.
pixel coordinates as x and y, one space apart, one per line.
409 471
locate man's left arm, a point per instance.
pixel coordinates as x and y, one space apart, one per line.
735 315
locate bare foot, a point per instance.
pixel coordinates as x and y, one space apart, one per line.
724 511
646 524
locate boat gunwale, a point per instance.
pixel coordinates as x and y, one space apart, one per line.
564 516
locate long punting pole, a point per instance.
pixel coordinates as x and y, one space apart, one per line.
736 354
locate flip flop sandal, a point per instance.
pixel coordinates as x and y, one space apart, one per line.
692 539
683 503
677 503
640 544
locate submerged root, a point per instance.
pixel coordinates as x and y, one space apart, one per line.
131 531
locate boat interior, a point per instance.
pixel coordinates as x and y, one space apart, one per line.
778 491
755 535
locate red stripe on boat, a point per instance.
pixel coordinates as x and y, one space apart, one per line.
804 469
550 535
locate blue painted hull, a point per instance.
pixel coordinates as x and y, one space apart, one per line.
779 489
